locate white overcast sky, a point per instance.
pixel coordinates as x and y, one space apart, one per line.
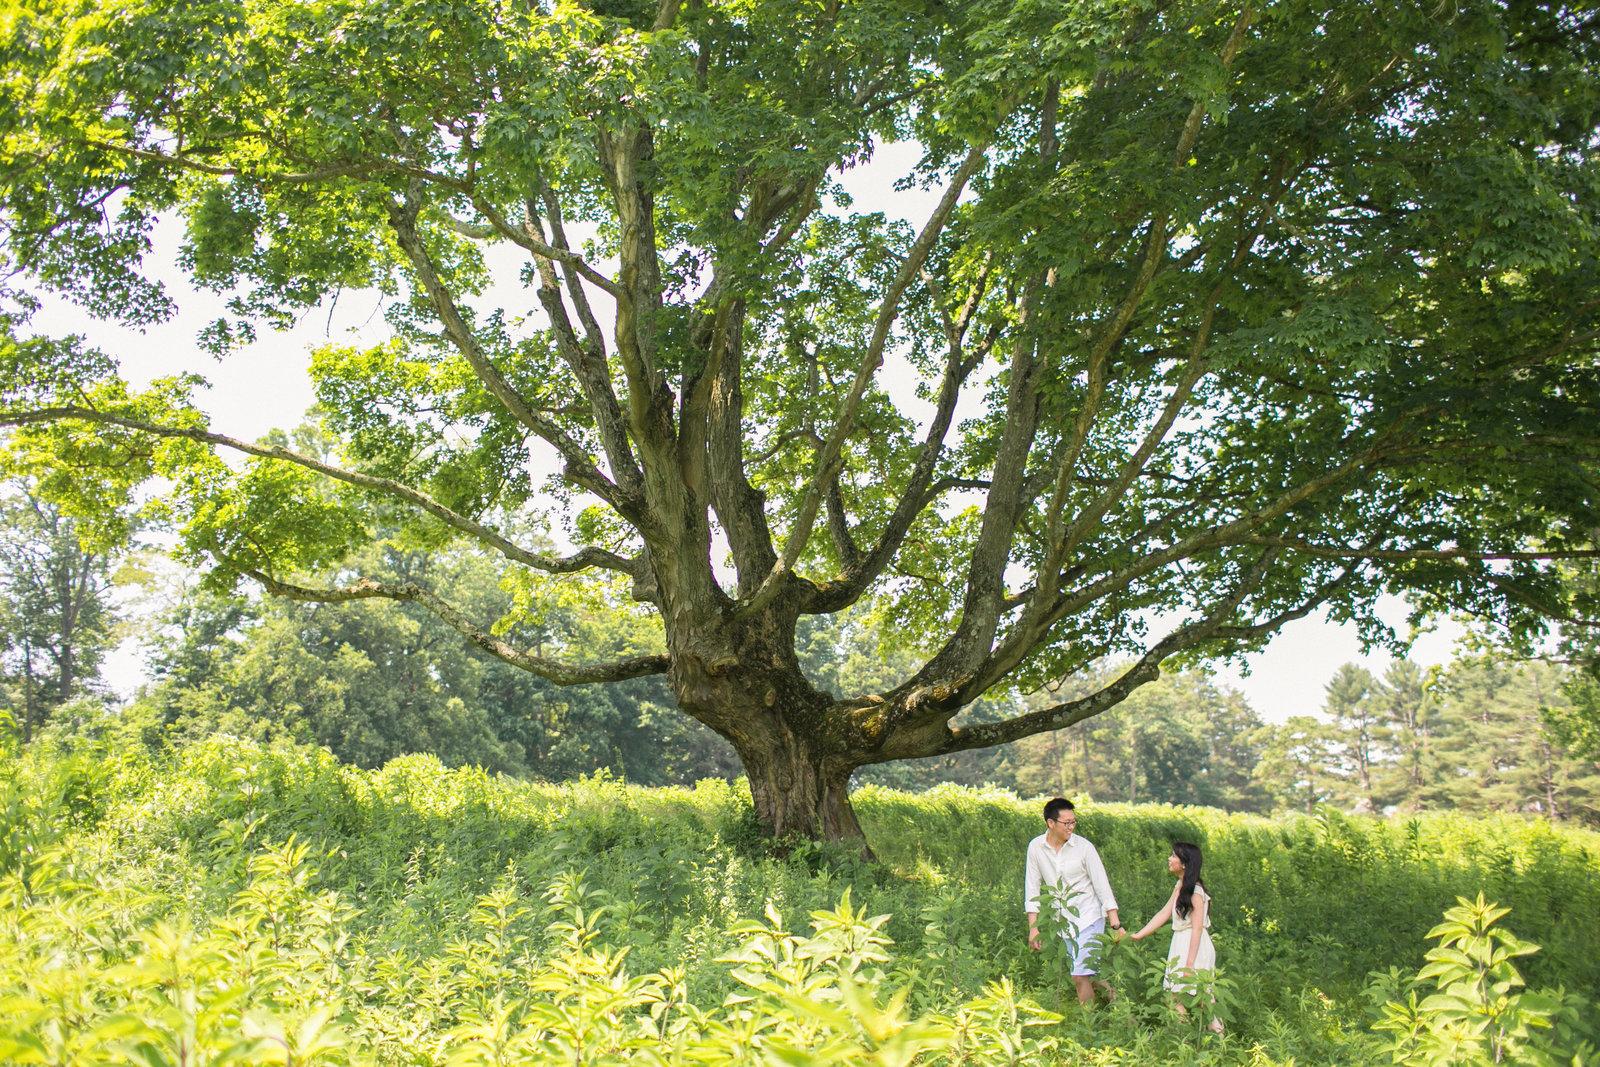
265 386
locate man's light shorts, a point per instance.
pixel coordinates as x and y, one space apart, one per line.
1087 948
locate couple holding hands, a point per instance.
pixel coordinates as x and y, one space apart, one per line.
1068 868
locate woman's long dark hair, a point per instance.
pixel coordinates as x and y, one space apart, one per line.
1189 856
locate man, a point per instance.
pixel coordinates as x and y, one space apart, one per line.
1068 869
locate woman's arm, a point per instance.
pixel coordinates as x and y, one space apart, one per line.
1197 922
1159 919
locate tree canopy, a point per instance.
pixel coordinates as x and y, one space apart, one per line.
1225 314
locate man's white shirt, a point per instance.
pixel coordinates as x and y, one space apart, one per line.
1072 877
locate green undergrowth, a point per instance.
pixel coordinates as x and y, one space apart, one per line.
225 902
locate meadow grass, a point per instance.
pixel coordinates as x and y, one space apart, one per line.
399 913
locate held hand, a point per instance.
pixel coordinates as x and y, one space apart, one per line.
1034 941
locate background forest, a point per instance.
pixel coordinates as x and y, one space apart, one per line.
372 682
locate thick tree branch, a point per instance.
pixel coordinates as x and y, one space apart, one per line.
594 336
638 299
584 559
808 204
828 458
981 608
1146 669
535 244
551 670
711 427
783 440
587 360
1156 251
1258 630
859 569
1061 542
844 543
740 507
973 682
580 467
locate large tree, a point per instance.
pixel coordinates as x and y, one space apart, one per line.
1226 313
56 616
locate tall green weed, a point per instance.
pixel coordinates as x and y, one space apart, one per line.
402 914
1481 1011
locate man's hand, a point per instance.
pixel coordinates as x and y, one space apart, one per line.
1034 941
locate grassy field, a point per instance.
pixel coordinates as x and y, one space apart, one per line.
228 903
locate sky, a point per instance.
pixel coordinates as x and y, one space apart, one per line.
265 386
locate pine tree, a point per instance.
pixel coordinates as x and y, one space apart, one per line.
1495 749
1408 710
1352 707
56 618
1296 763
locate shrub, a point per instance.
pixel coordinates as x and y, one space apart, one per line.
1481 1012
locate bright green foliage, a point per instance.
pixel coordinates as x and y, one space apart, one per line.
1482 1013
230 896
277 977
274 980
1234 312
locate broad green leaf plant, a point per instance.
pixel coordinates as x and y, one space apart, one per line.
1481 1011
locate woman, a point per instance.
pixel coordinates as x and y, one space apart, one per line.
1189 908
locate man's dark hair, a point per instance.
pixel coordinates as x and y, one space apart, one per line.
1054 808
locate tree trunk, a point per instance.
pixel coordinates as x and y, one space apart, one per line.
801 793
799 745
27 692
66 675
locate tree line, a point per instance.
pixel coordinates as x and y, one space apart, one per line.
372 683
1482 733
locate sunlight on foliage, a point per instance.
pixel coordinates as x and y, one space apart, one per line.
229 902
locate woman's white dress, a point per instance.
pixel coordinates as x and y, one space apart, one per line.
1182 930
